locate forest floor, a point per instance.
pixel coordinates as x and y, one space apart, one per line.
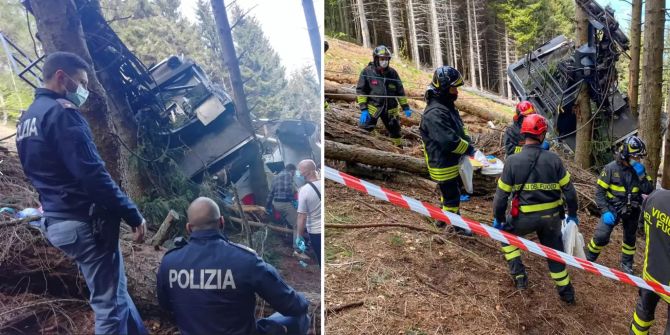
400 281
42 292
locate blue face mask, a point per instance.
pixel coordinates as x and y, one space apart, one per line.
300 179
79 96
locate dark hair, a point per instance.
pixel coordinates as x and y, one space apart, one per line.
290 167
66 61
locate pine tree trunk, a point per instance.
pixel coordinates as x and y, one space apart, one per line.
356 23
652 100
435 46
60 29
121 114
413 41
634 67
314 35
394 34
665 181
473 74
365 33
257 170
343 19
479 54
453 34
582 107
501 71
507 63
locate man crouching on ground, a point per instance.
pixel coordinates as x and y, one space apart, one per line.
210 283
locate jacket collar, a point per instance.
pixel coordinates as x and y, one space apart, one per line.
448 104
207 234
41 91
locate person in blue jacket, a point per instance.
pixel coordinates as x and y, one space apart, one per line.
210 284
82 204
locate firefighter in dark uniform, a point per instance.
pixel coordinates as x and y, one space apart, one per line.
619 196
210 284
539 183
656 220
381 94
445 139
82 204
513 139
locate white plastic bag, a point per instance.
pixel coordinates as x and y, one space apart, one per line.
494 169
573 241
466 171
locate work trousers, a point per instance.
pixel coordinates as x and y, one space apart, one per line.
315 240
115 312
601 237
451 194
548 230
277 324
643 318
288 213
391 120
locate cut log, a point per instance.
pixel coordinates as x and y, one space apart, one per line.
163 231
337 92
354 154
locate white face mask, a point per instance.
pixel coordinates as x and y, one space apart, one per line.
384 63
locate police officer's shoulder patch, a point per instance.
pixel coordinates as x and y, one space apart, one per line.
244 247
66 103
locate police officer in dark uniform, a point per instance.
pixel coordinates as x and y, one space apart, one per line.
619 196
538 182
210 284
445 139
513 140
380 91
656 220
82 205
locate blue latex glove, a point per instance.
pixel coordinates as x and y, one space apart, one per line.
295 204
300 243
546 145
572 218
269 210
638 167
608 218
365 116
465 197
496 224
408 112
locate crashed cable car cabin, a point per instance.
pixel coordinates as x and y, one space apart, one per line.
552 75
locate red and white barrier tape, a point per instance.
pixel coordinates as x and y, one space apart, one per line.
488 231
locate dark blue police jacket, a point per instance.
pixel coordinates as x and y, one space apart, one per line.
59 157
210 286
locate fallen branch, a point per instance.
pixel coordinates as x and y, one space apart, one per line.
431 286
340 308
263 225
378 225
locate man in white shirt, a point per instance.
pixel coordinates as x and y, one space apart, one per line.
309 206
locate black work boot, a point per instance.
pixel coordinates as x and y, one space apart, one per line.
521 281
627 264
590 256
567 293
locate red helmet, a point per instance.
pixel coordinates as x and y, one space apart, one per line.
524 108
534 124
